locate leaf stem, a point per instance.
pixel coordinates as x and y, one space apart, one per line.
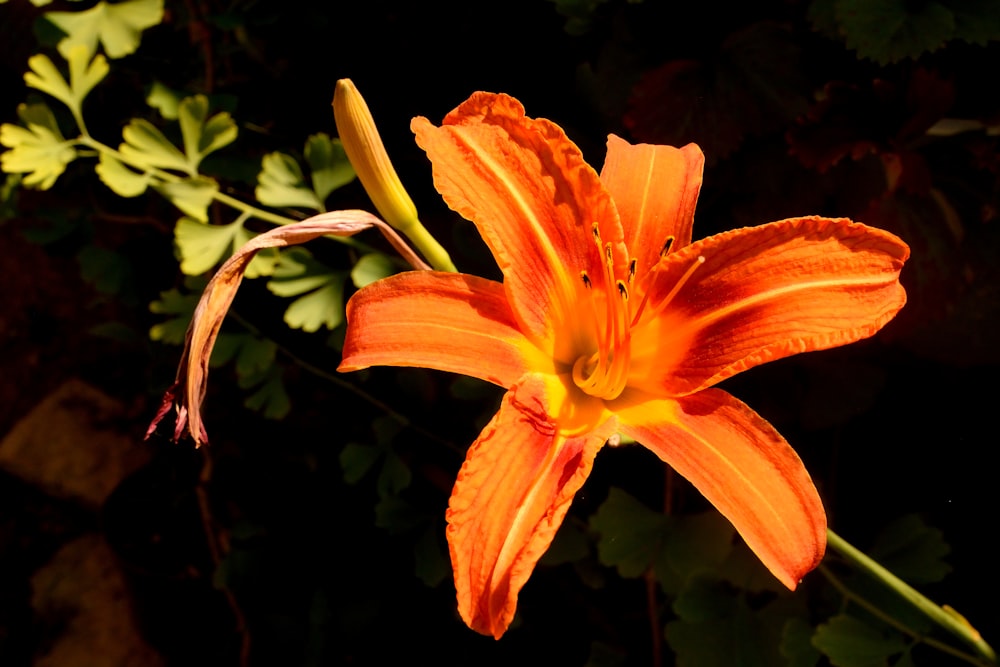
950 621
232 202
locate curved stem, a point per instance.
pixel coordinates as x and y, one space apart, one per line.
851 596
950 621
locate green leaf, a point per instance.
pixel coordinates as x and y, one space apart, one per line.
38 150
396 515
385 429
796 644
356 460
192 196
431 565
256 356
122 180
84 74
43 75
105 269
744 569
227 346
371 267
8 196
202 246
848 642
976 21
324 307
264 262
631 534
822 15
323 301
181 306
579 14
270 399
281 183
297 273
145 146
570 544
394 476
165 100
118 27
202 134
704 599
888 31
912 550
731 633
329 167
696 544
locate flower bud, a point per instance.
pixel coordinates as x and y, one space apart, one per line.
364 149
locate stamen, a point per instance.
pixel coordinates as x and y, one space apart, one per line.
604 372
661 306
666 246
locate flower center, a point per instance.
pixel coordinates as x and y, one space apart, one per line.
603 373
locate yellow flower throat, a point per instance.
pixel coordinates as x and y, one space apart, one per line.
603 373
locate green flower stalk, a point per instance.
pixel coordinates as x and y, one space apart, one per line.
366 152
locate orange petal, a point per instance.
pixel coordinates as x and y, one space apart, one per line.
511 495
534 200
765 293
655 189
447 321
743 467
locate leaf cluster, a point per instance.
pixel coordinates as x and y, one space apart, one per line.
726 609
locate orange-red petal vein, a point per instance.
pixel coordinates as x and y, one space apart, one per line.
743 467
534 199
655 189
765 293
447 321
517 483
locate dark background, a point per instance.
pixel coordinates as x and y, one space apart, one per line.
793 122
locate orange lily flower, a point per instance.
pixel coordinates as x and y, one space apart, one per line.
609 320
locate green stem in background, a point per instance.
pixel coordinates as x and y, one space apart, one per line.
944 617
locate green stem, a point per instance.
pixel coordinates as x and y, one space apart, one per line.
851 596
222 198
428 246
950 621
